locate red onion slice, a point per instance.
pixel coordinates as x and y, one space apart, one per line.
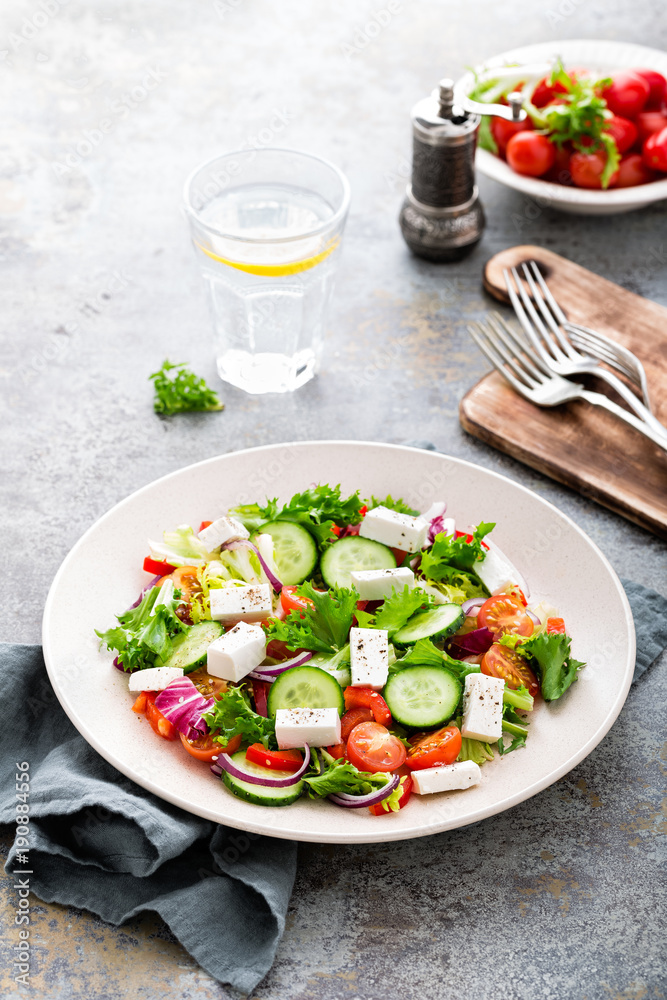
535 620
280 668
359 801
225 763
472 606
144 592
243 543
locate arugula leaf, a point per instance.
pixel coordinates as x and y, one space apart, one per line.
399 505
318 509
549 656
143 637
341 776
324 627
518 741
397 609
233 716
449 551
178 389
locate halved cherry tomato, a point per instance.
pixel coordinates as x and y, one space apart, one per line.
555 626
371 747
360 697
499 661
336 751
204 748
276 760
232 745
406 790
160 725
505 615
291 601
203 525
352 719
440 747
158 567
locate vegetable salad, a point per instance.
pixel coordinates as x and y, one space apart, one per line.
339 647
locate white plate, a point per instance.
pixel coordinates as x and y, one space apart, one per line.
601 57
102 575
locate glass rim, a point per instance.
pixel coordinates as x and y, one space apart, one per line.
338 215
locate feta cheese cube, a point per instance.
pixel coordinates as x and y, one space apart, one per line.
251 603
398 531
319 727
369 657
497 573
225 529
446 778
237 652
376 584
154 679
483 708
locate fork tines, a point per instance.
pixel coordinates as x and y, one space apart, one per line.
507 352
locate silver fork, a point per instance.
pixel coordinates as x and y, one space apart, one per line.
548 340
530 376
612 353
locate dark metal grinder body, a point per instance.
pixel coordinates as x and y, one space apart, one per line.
442 218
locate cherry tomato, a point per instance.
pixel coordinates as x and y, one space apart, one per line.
555 626
440 747
502 662
560 172
160 725
360 697
371 747
624 132
502 131
587 169
531 154
505 615
649 122
654 152
632 171
158 567
232 745
657 87
336 751
291 601
627 94
204 748
276 760
406 791
545 92
352 719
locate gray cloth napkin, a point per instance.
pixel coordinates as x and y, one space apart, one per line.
100 842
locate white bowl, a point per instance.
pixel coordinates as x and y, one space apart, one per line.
102 575
601 57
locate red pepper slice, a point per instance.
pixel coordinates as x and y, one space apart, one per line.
203 525
406 791
158 568
556 626
360 697
277 760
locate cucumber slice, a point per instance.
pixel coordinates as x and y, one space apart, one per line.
305 687
435 624
294 550
350 554
261 795
190 648
421 697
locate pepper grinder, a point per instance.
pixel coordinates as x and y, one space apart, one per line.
442 217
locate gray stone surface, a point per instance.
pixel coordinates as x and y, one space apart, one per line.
557 898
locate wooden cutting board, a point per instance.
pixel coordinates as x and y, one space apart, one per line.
578 444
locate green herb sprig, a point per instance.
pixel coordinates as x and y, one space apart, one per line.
177 390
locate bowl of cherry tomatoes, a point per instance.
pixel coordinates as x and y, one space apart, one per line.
594 139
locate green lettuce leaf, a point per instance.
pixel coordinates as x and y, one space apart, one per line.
396 610
233 716
143 636
324 627
449 552
318 509
399 506
341 776
549 656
